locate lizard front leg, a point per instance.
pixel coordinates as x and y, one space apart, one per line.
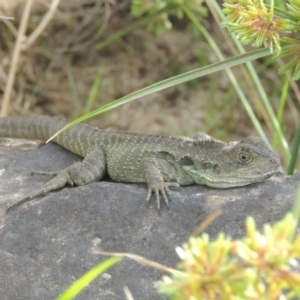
91 169
155 181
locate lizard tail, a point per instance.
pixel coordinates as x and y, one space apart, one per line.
36 128
44 127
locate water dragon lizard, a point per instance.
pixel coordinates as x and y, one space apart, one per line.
159 161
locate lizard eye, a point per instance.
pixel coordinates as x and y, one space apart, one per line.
244 157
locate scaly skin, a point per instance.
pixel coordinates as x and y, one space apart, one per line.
159 161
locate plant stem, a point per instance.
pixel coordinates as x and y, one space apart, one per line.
295 150
15 58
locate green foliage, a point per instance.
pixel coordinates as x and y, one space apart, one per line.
259 266
260 24
295 151
94 90
163 9
80 284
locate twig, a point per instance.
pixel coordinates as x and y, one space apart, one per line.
127 293
6 18
47 18
6 21
15 58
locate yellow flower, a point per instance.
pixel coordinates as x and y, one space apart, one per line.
254 23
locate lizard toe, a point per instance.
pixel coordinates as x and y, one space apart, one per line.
160 189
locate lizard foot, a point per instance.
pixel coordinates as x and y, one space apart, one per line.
160 188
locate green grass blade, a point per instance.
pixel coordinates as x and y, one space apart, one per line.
94 90
87 278
73 87
283 98
295 150
218 66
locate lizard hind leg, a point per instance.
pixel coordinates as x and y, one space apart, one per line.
91 169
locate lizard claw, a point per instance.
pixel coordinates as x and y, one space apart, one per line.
160 188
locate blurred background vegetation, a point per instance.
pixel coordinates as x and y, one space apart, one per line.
95 51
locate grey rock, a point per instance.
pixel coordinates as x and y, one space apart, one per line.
48 243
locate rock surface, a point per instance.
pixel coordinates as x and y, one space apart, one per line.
48 243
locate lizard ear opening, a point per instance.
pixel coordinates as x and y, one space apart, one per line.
217 168
185 161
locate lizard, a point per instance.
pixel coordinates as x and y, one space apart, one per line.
157 160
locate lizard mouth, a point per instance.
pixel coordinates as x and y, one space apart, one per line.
237 181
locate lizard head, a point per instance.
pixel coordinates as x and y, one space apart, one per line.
230 165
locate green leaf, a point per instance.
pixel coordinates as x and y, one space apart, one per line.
87 278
